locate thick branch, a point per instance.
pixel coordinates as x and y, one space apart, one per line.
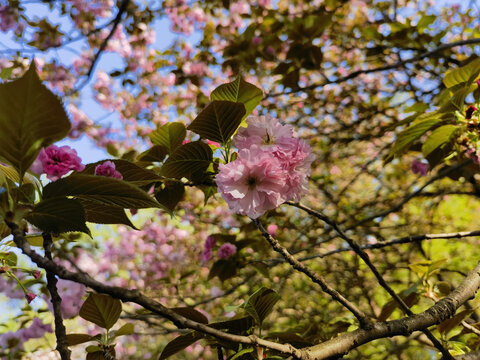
137 297
60 331
439 312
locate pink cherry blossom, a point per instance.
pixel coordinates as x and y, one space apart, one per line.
254 183
419 167
108 169
57 161
272 229
261 130
226 250
207 250
37 274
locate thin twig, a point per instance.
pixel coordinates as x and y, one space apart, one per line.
364 256
317 279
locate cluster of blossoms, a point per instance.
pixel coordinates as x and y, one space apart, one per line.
272 167
57 161
225 251
36 330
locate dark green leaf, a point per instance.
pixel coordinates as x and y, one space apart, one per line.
261 304
463 74
156 153
31 117
180 343
101 309
131 172
170 195
438 137
219 120
96 355
102 190
208 192
58 215
170 135
188 160
191 313
223 269
104 214
75 339
239 91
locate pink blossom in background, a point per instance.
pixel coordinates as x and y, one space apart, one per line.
57 161
261 130
272 229
207 250
7 18
226 250
72 295
419 167
108 169
252 184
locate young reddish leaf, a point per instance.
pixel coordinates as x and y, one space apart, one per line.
180 343
170 135
235 326
58 215
101 309
191 313
449 324
188 160
219 120
31 117
239 91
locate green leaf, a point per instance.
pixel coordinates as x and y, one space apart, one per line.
171 194
412 133
239 91
131 172
58 215
180 343
241 353
34 240
208 192
191 313
76 339
261 304
438 138
156 153
126 329
101 309
224 269
219 120
10 258
170 135
463 74
104 214
31 117
187 160
6 73
102 190
93 348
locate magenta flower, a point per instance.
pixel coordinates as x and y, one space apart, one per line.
207 250
262 131
30 296
226 250
419 167
57 161
37 274
254 183
469 112
108 169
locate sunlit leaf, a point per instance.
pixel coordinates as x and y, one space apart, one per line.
438 137
170 135
188 160
31 117
101 309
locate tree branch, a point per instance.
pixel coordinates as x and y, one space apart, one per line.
317 279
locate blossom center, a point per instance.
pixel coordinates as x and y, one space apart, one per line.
251 182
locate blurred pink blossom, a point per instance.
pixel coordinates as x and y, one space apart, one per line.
419 167
226 250
30 296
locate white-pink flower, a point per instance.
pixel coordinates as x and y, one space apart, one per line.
254 183
261 130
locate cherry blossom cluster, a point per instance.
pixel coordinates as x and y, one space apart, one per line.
272 167
225 251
